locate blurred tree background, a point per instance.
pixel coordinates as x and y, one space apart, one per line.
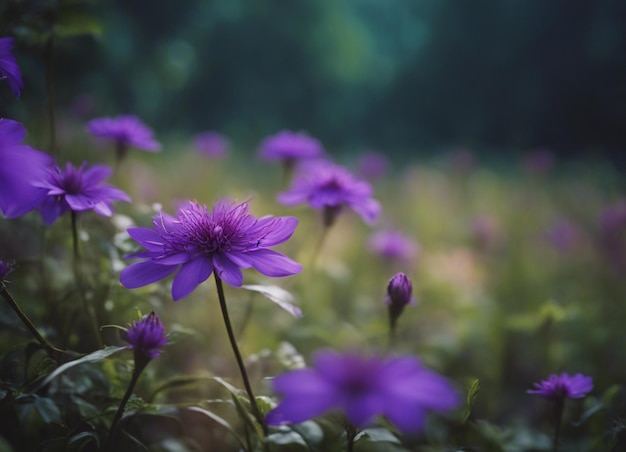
400 76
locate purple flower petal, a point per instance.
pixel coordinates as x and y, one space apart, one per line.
227 270
190 276
272 263
144 273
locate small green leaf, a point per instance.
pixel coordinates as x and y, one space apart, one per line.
278 295
377 435
98 355
48 410
470 400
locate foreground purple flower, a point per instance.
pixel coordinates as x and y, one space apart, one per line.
290 146
77 189
20 166
9 70
198 241
399 388
126 131
146 336
329 187
211 144
393 245
563 386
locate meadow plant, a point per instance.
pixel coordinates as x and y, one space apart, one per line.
487 320
125 131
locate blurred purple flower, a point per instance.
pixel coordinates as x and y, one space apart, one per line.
563 235
290 146
612 224
563 386
329 187
539 161
393 245
126 131
5 269
211 144
373 165
199 241
146 336
399 388
9 70
77 189
20 166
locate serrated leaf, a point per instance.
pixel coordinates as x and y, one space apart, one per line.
96 356
278 295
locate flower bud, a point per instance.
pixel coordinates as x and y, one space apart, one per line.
399 294
146 336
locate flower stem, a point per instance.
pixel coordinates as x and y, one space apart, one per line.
49 56
42 340
558 417
78 276
233 343
351 432
319 245
139 367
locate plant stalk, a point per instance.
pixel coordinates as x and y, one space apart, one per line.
233 343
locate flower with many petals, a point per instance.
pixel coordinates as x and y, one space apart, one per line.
197 242
363 387
329 187
20 166
126 131
9 70
146 336
290 146
77 189
562 386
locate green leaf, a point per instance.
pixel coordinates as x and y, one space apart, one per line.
180 381
96 356
470 400
217 419
288 440
48 410
82 439
377 435
278 295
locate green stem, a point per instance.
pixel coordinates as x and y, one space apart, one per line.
49 56
558 417
42 340
319 245
140 365
78 276
351 432
233 344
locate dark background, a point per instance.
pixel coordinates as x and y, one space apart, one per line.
401 76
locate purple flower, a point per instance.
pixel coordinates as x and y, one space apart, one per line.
563 386
199 241
77 189
329 187
146 336
9 70
393 245
373 165
399 291
399 388
5 269
563 235
20 166
290 147
126 131
211 144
